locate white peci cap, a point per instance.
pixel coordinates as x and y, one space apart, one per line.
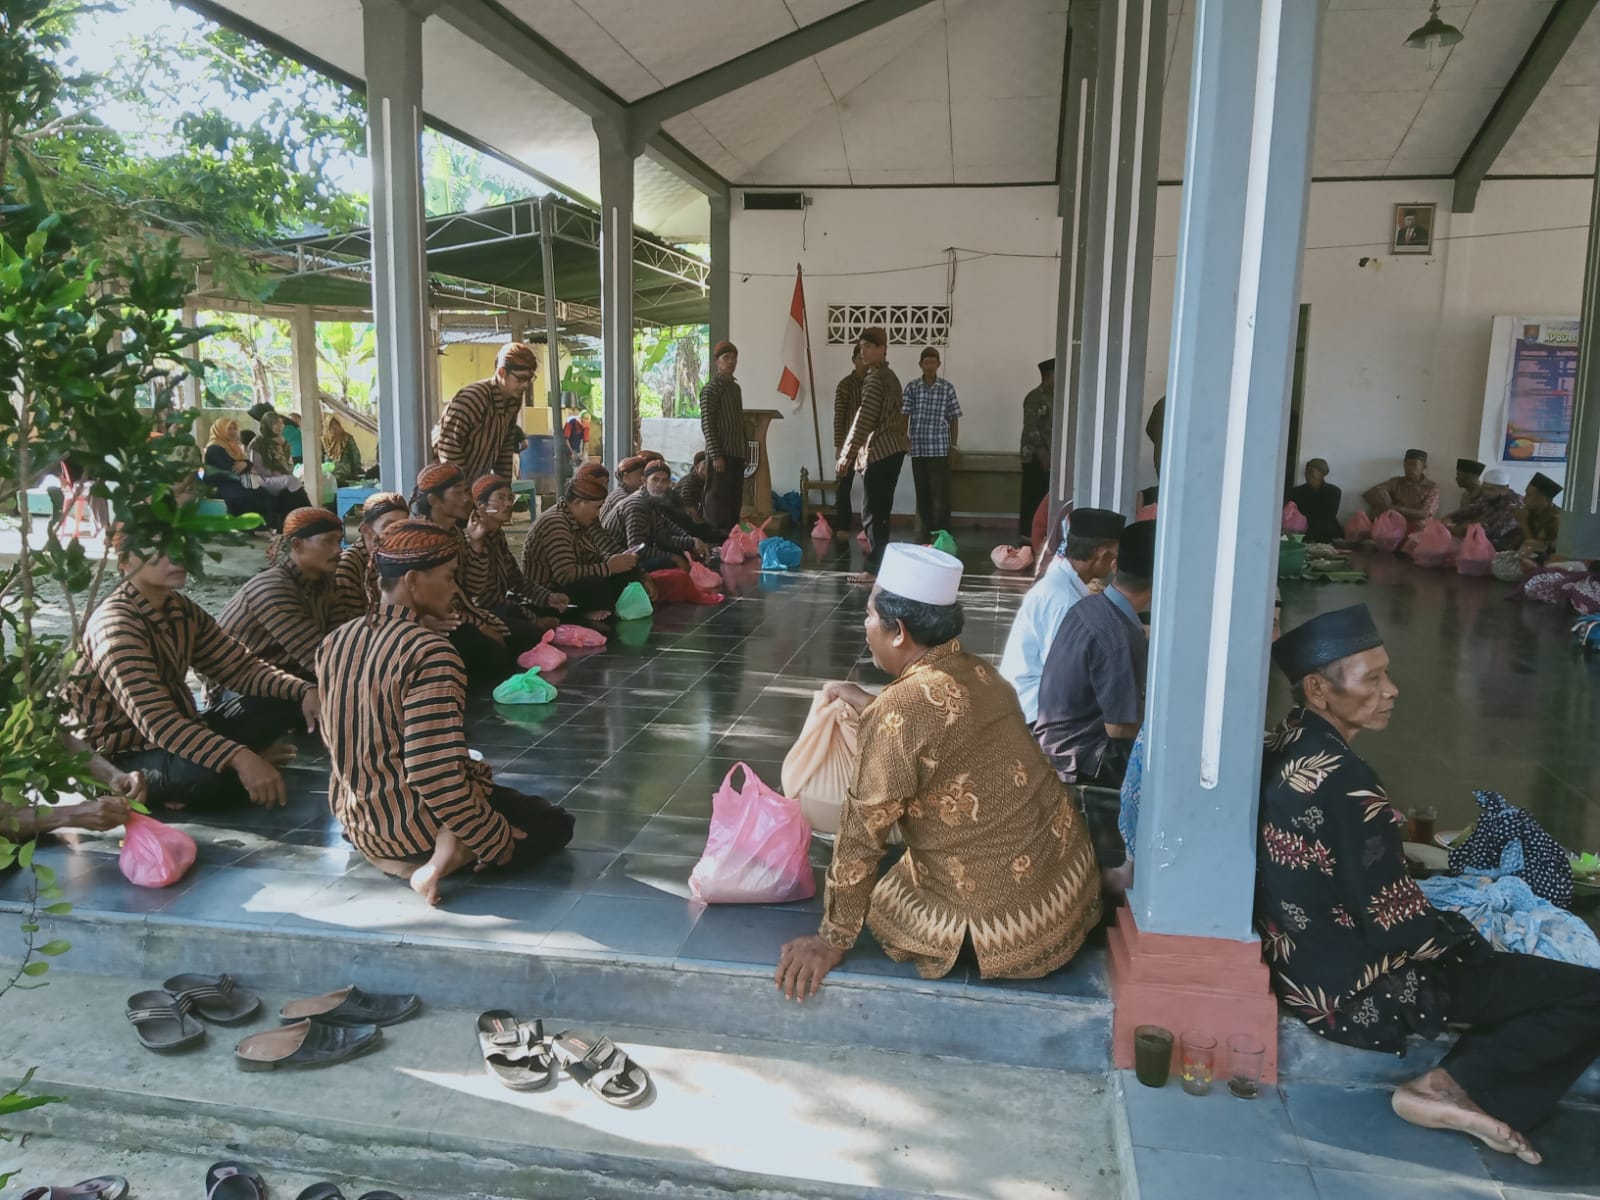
1496 475
920 573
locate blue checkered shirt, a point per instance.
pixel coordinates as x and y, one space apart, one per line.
931 407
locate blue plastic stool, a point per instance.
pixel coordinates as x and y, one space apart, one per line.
347 498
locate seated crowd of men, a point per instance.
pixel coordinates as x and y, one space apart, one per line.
375 646
1528 523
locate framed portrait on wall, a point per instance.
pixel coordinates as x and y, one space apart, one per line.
1412 229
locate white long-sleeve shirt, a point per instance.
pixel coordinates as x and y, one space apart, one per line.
1035 629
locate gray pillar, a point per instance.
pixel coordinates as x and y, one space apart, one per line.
721 251
552 336
616 289
308 395
1580 524
1242 229
1072 182
1122 211
392 41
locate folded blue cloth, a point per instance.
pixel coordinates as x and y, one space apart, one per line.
1503 908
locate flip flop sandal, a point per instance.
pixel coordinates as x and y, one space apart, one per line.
351 1006
214 997
234 1181
600 1065
515 1051
321 1191
305 1044
162 1021
377 1196
101 1187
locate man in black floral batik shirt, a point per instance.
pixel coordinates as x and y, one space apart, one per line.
1355 949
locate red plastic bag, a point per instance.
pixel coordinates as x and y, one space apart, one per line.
154 855
577 637
676 587
547 656
822 531
1294 521
1012 558
1476 556
1433 545
1388 531
757 851
704 577
1358 528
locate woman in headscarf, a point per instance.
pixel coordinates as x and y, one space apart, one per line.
232 476
341 449
562 554
273 461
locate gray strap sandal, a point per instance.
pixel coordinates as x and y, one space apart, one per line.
162 1021
214 997
603 1067
516 1051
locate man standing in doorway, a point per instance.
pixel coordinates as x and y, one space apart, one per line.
722 426
935 416
846 399
478 431
876 445
1038 410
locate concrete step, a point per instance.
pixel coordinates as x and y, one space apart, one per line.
730 1115
1302 1055
1061 1023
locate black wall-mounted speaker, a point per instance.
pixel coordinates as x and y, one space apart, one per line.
770 201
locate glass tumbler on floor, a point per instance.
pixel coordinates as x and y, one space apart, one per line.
1198 1052
1152 1055
1245 1056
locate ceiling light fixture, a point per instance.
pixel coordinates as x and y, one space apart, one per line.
1433 34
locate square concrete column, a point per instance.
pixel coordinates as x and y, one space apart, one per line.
1184 950
721 251
1580 523
616 289
392 42
1131 57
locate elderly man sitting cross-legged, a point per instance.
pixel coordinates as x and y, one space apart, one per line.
996 853
404 786
1355 949
131 699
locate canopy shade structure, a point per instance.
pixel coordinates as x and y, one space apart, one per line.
496 259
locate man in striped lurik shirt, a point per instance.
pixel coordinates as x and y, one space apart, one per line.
282 614
478 431
722 426
407 791
132 703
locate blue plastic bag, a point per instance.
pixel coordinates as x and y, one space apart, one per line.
779 554
788 504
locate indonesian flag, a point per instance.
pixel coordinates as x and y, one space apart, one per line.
794 346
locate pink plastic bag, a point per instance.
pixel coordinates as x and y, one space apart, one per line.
761 533
757 851
1294 521
1388 531
1476 556
154 855
547 656
1433 545
822 531
577 637
704 577
1012 558
1358 528
733 549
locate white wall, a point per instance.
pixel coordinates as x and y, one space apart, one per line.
1397 351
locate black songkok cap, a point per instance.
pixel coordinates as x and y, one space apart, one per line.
1148 496
1048 364
1468 466
1543 483
1101 524
1325 639
1420 455
1136 550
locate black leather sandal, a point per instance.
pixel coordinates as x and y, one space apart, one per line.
305 1044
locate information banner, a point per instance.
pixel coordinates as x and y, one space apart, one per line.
1539 393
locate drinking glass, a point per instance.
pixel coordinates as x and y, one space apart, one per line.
1245 1056
1152 1055
1199 1055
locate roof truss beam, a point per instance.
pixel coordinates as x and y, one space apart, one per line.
1549 47
863 17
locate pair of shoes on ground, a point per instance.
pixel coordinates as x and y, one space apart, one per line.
523 1059
236 1181
101 1187
330 1191
315 1032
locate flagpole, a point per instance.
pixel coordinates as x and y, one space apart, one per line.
816 427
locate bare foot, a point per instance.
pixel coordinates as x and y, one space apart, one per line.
862 579
598 615
1436 1101
425 882
280 753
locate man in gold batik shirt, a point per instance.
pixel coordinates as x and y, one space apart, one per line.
996 851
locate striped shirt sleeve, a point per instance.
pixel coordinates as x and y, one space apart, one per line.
435 755
226 661
281 611
461 425
552 553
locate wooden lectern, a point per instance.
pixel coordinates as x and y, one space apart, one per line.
757 505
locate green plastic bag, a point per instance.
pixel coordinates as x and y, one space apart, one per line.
526 688
943 541
633 603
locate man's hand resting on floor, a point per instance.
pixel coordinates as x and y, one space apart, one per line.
261 779
802 965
